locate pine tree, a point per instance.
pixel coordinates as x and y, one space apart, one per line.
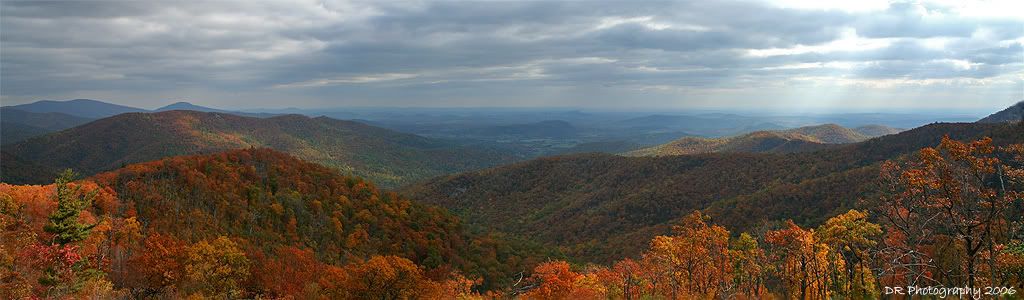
66 269
71 201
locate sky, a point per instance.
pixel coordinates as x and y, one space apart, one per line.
794 54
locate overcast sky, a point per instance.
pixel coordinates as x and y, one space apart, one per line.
805 54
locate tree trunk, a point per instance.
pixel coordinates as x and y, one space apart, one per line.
970 271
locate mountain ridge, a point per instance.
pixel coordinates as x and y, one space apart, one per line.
88 108
96 109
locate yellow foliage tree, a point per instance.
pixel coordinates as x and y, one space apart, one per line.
749 266
384 277
216 268
850 236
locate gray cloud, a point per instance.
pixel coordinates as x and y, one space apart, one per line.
560 53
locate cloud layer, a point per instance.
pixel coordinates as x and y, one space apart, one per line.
611 54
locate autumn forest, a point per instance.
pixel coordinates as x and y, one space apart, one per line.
937 206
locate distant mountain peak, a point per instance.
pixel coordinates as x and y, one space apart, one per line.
182 105
179 104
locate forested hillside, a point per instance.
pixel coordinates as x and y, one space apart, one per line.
384 156
15 132
242 223
877 130
830 134
603 207
947 216
1013 113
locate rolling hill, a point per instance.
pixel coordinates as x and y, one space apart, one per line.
387 157
757 142
829 134
261 177
801 139
877 130
604 207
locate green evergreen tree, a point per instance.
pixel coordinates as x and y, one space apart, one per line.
71 201
67 276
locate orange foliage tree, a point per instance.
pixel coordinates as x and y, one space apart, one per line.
159 266
384 277
16 274
695 260
555 280
624 279
290 272
801 262
958 192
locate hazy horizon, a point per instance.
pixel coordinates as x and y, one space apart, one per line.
751 111
775 56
